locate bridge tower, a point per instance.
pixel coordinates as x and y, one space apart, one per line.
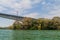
16 22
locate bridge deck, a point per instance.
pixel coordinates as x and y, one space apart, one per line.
14 17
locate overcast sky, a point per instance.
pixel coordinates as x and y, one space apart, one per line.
29 8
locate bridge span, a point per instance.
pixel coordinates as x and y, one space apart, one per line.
14 17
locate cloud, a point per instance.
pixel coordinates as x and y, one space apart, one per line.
36 1
20 6
24 4
32 15
55 12
13 3
2 8
52 8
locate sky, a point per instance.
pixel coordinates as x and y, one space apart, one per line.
29 8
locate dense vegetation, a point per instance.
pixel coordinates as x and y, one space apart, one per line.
37 24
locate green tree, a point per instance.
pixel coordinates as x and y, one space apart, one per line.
17 25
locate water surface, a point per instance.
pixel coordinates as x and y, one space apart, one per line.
29 35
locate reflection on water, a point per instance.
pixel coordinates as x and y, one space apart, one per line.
29 35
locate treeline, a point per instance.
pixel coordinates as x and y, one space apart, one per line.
37 24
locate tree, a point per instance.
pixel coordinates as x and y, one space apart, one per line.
37 24
56 22
17 25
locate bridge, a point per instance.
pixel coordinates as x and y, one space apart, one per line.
14 17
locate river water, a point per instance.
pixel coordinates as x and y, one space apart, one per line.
29 35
